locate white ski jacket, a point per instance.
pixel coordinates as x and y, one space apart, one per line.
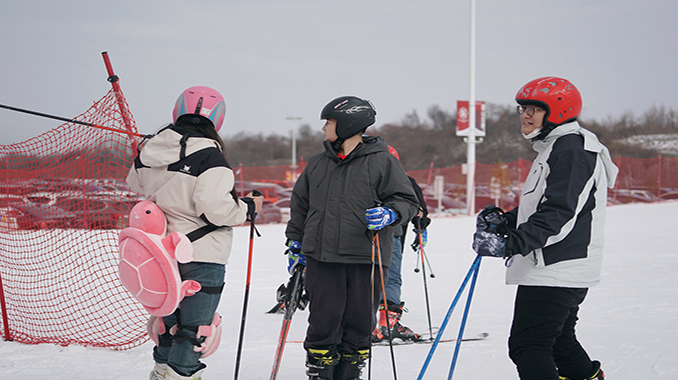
187 176
561 216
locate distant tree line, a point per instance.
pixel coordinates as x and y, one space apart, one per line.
422 141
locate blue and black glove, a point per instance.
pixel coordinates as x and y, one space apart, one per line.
492 232
420 224
424 239
294 255
379 217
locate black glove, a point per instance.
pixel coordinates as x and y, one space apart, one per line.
251 215
421 223
492 232
494 219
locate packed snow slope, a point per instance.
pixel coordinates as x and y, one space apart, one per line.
629 322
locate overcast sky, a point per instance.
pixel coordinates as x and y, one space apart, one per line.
274 59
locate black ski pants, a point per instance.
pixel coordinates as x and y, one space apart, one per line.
543 344
342 305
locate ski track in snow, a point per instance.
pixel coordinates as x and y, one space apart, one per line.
629 322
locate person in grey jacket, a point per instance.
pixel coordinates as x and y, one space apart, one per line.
182 169
345 195
553 240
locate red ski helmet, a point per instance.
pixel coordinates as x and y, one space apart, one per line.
558 96
394 152
201 101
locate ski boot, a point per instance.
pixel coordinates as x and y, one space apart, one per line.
172 375
381 331
378 335
320 364
159 372
351 365
395 311
598 373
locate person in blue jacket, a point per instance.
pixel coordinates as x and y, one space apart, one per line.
553 240
391 313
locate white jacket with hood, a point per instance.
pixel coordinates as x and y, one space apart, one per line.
186 175
558 239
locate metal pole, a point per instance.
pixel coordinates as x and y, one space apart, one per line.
60 118
471 151
294 147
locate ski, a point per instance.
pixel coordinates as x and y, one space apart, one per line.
290 298
279 308
400 342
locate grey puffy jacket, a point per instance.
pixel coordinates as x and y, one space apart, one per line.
331 196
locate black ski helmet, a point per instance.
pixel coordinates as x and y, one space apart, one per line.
353 115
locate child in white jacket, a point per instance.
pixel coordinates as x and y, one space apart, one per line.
183 170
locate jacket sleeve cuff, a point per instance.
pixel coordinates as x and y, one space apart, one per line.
512 246
250 205
511 217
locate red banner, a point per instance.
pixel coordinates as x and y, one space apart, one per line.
463 118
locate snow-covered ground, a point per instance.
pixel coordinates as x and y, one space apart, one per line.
629 322
663 143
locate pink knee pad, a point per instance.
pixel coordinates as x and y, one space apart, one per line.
212 333
213 337
155 327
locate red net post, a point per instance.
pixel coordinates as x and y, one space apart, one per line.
127 119
5 319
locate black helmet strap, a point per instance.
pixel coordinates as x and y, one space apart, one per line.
336 144
198 106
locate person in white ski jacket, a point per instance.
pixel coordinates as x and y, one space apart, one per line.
182 170
553 240
560 219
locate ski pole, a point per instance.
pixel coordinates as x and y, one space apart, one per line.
416 261
383 292
463 320
295 288
423 273
253 229
475 265
428 263
415 247
369 364
72 121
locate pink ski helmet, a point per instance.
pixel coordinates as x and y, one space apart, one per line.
202 101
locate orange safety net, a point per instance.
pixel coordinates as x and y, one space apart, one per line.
62 202
639 180
645 180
